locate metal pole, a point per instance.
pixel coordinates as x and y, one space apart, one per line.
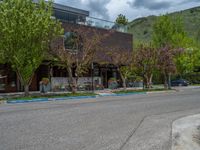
92 74
144 71
50 76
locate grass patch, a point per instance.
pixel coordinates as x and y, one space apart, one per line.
51 96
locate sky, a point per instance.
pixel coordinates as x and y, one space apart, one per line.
132 9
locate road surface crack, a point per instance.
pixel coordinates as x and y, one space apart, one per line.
132 133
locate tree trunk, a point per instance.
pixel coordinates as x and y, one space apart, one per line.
72 83
165 81
76 83
25 83
148 81
122 77
124 83
144 82
169 81
26 89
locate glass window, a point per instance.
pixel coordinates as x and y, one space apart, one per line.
72 41
11 79
2 80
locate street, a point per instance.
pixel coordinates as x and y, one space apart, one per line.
137 122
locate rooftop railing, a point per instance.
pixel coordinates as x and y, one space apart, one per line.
104 24
82 19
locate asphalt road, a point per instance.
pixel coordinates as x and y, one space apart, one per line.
139 122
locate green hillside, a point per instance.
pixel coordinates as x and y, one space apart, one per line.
141 28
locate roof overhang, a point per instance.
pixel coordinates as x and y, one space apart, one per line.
65 8
70 9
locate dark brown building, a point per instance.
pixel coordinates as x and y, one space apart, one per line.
77 18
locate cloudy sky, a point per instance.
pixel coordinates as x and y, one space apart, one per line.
109 9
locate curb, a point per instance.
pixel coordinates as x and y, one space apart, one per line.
157 92
122 94
27 101
128 94
48 99
78 97
71 98
67 98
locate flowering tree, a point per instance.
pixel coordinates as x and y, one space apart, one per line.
64 59
146 62
166 63
121 58
78 51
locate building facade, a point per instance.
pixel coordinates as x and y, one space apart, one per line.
97 74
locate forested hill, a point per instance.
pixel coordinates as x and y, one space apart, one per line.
141 28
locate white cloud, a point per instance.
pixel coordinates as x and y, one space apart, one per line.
109 9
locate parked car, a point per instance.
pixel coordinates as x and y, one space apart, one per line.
180 82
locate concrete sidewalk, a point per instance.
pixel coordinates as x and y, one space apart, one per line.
64 92
100 91
4 97
186 133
